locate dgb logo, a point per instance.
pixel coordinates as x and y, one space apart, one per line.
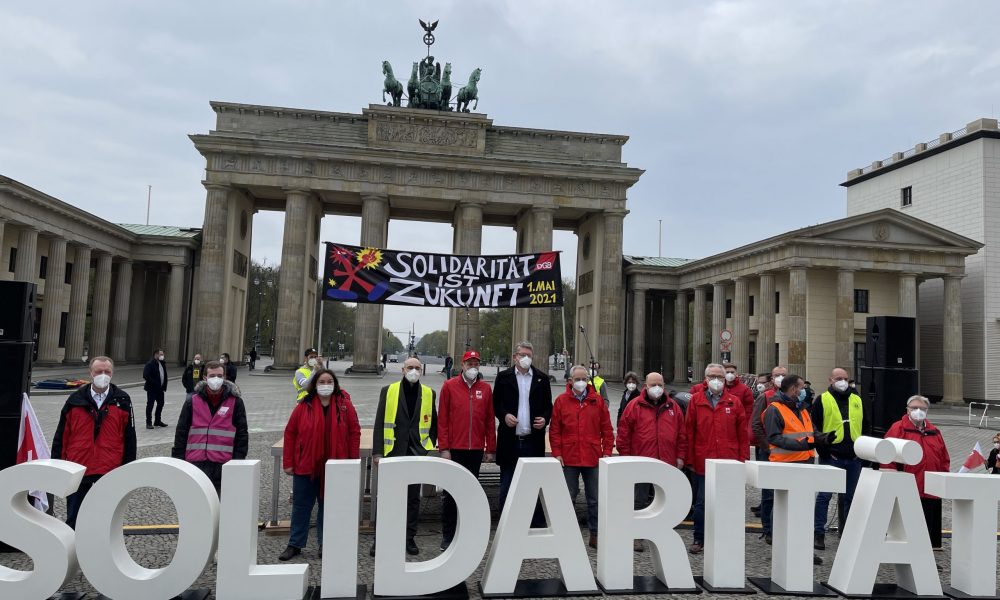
545 261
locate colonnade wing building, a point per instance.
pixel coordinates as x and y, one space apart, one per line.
117 290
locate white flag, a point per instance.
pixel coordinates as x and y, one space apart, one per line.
31 445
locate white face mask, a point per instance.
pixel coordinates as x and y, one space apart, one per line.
918 414
996 444
197 361
222 360
730 377
215 383
716 385
840 385
591 372
102 381
163 357
579 386
525 362
413 375
777 381
312 362
471 373
324 389
630 386
654 392
760 387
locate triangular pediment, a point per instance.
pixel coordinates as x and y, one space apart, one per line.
887 226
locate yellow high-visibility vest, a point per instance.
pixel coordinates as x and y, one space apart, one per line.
834 421
301 390
389 427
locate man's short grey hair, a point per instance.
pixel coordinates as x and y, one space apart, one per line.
525 345
713 366
586 371
918 398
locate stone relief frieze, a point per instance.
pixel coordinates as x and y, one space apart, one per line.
425 134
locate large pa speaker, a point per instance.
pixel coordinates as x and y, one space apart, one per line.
891 342
15 376
886 391
17 311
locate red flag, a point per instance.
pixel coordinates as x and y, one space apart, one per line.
31 445
975 459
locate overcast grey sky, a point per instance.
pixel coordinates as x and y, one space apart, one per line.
745 114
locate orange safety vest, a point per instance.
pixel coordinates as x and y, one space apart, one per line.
796 429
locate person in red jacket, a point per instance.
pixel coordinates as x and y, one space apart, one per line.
652 426
580 434
716 427
323 426
915 426
466 430
96 429
734 386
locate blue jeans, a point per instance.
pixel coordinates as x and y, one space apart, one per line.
698 514
589 474
853 468
766 497
305 495
523 448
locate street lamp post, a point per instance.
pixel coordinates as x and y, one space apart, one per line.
256 332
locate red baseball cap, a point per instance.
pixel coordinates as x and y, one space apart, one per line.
470 354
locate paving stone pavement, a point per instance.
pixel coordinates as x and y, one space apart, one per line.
269 402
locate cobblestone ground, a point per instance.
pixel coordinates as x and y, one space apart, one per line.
269 402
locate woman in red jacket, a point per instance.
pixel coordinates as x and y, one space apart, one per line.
580 434
323 426
915 426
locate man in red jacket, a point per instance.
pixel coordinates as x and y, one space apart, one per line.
716 427
734 386
96 429
466 426
580 435
652 426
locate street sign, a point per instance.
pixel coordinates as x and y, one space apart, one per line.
726 335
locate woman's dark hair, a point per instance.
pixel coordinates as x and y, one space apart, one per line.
631 375
311 388
789 381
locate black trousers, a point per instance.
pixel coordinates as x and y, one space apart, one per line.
932 514
412 510
154 397
74 500
472 460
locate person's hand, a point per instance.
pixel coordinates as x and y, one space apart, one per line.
680 463
375 459
510 420
538 423
289 471
446 454
561 464
490 457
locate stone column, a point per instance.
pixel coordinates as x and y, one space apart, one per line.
468 240
101 305
952 342
698 358
55 277
666 366
175 308
540 319
368 324
119 318
25 268
291 282
134 349
609 339
638 331
766 359
718 319
741 324
798 289
76 324
908 295
843 348
680 337
209 310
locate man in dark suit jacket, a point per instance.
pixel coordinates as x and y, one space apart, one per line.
155 376
522 402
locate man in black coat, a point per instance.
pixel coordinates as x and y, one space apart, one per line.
522 401
155 376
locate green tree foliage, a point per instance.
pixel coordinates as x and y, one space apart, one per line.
434 343
391 344
496 328
569 305
262 306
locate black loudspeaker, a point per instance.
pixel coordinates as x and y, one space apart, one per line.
891 342
15 376
17 311
885 392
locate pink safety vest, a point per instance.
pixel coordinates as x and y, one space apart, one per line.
211 437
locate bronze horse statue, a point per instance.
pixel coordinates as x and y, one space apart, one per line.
411 87
446 87
391 86
468 93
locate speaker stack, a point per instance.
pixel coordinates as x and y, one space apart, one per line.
889 376
17 307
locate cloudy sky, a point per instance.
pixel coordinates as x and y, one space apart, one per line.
745 114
